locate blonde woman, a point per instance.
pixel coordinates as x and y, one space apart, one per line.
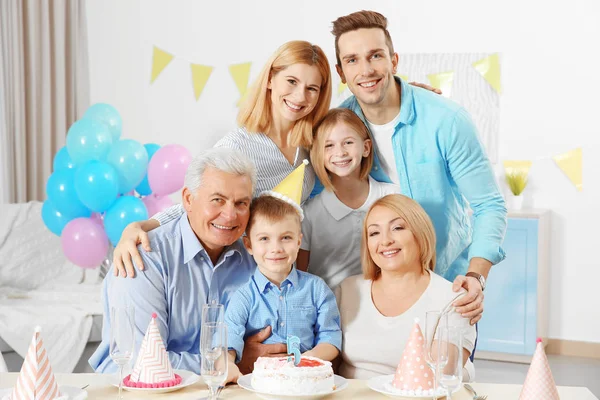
398 284
291 93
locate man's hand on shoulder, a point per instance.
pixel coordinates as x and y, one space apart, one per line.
254 348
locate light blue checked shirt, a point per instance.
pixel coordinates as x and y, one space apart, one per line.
304 307
178 279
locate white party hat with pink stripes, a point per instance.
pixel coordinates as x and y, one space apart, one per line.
152 365
36 380
539 383
412 372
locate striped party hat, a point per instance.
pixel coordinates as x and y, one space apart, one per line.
153 365
36 379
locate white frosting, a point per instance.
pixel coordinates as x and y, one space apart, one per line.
278 376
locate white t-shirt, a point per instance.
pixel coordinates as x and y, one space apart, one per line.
373 344
331 231
382 134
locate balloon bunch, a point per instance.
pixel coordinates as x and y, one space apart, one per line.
101 183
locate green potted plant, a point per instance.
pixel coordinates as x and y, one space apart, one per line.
517 181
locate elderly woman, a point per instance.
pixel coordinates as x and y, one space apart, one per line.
398 284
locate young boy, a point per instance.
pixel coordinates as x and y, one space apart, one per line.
292 302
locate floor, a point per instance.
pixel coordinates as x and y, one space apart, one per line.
567 371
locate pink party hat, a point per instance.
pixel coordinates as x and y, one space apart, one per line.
539 383
152 365
36 379
412 372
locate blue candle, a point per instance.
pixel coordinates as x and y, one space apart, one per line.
293 347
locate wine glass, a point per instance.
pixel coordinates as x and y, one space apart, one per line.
433 351
212 313
122 322
213 352
451 373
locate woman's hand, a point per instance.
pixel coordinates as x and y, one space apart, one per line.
426 87
126 250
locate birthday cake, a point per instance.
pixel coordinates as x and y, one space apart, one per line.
152 368
278 375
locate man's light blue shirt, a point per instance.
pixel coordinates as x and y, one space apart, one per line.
304 307
442 165
179 277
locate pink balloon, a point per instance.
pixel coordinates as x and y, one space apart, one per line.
98 218
84 242
156 204
167 168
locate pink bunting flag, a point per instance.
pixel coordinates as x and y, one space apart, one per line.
36 379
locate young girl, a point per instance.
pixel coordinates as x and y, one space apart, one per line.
342 157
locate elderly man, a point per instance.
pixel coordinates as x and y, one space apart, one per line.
195 259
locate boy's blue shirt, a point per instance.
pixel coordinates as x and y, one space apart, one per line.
442 165
304 307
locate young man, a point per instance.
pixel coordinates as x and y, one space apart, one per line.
429 146
292 302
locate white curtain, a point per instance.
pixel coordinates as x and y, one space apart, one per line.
44 88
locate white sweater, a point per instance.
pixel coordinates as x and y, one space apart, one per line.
372 343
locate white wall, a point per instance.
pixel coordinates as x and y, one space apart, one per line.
549 104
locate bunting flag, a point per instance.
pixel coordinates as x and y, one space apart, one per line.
241 76
160 59
442 81
571 163
341 88
36 379
489 68
200 74
516 167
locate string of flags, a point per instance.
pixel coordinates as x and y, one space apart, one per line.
570 163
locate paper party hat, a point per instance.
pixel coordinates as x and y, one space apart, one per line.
290 189
36 379
152 364
539 383
412 372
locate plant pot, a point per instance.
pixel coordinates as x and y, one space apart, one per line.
515 202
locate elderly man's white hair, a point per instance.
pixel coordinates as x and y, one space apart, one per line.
223 159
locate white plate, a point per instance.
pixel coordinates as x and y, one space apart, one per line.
187 378
71 393
246 382
380 384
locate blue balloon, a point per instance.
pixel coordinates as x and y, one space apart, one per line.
109 116
130 159
60 189
144 187
125 210
87 140
62 160
54 220
97 185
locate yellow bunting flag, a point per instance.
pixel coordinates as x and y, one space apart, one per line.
241 76
403 77
442 81
200 74
341 88
571 164
489 68
512 167
160 59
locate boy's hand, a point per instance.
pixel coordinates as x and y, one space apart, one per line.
233 373
254 348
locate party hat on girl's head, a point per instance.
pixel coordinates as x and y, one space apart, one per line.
36 379
290 189
539 383
412 372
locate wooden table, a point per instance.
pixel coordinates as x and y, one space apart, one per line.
99 388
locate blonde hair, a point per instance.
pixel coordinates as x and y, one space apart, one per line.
417 221
317 152
272 209
256 115
360 20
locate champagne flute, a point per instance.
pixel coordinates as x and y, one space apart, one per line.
213 351
433 351
122 322
451 372
212 313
